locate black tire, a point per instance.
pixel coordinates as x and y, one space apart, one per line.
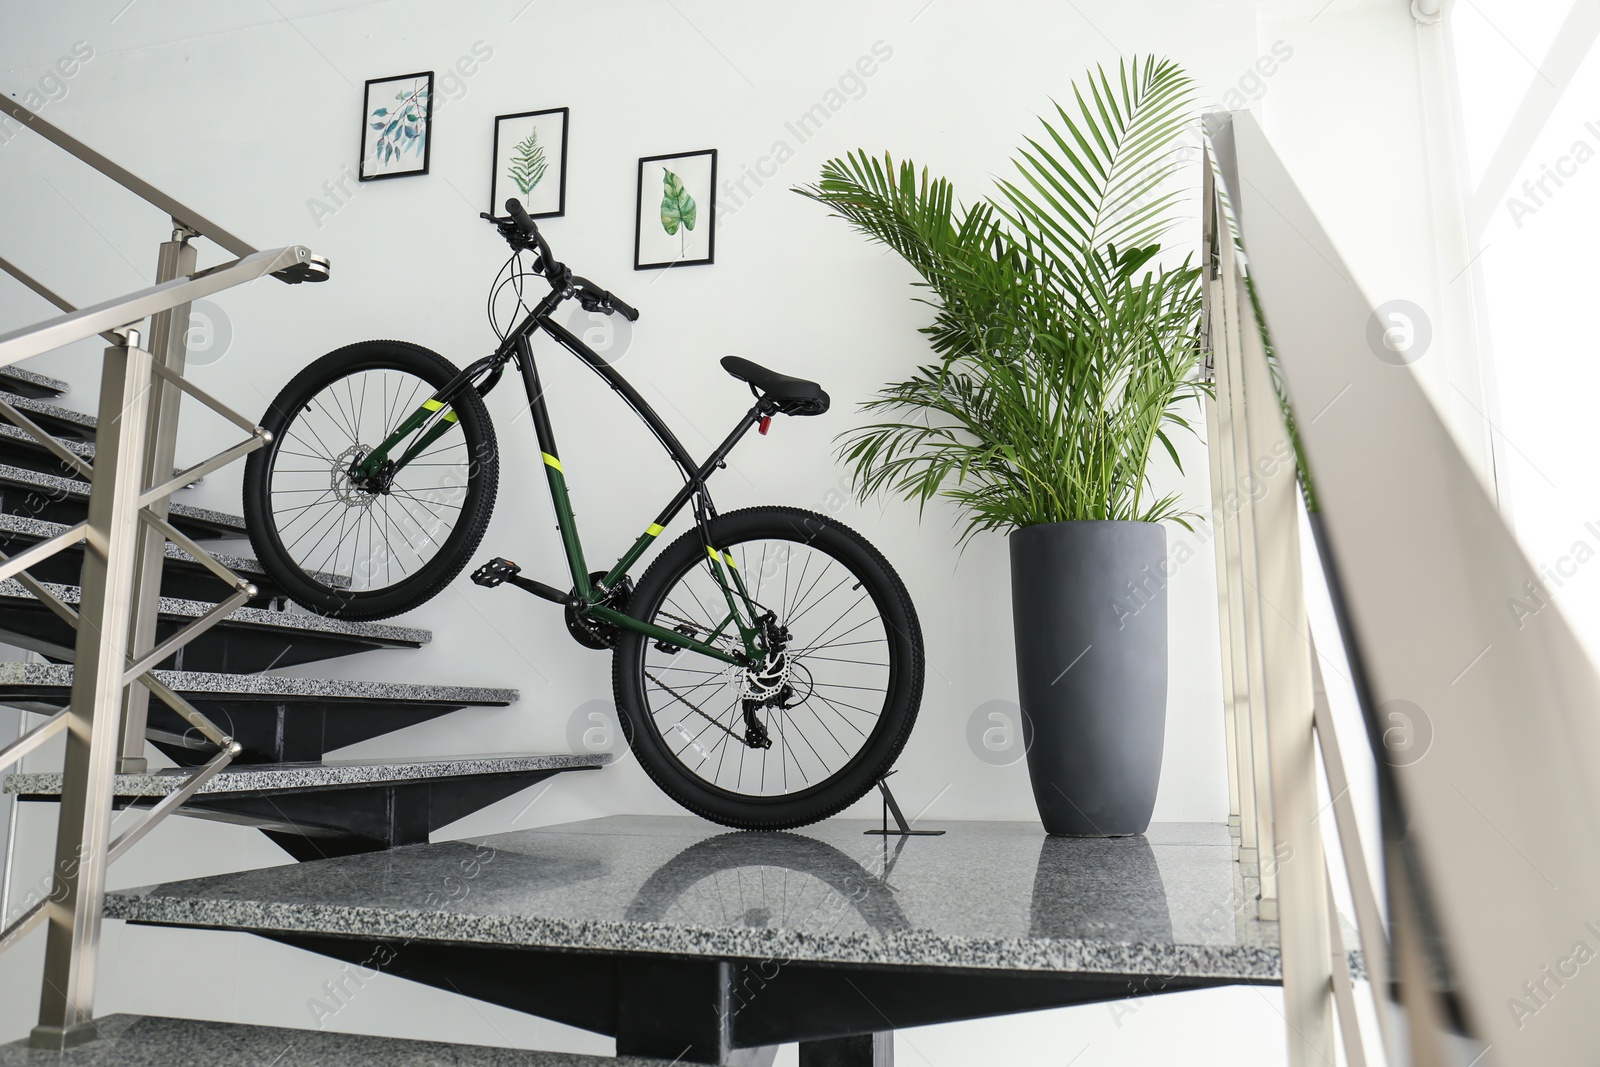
647 704
473 457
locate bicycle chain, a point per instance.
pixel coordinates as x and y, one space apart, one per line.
693 707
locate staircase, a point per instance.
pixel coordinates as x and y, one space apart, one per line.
282 782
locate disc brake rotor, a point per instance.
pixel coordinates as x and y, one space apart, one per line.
344 487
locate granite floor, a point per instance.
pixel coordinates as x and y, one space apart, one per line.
998 895
144 1041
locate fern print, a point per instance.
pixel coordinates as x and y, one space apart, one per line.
528 166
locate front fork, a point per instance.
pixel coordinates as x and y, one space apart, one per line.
373 463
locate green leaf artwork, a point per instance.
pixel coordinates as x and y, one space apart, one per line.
528 166
403 128
678 209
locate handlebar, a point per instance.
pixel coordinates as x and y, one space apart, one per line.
594 298
520 232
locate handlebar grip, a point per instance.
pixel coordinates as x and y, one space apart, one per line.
519 214
628 311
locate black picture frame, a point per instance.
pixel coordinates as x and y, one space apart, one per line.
497 202
706 203
368 109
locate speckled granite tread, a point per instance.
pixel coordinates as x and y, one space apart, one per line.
44 407
33 377
244 565
998 896
82 449
152 1041
75 487
271 685
276 777
302 622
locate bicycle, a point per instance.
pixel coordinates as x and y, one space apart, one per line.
746 691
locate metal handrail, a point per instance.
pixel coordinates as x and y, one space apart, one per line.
1280 719
122 311
124 542
181 214
44 290
1474 939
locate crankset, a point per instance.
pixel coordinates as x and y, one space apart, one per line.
586 630
589 631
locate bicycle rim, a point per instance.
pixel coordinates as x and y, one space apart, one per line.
836 669
328 524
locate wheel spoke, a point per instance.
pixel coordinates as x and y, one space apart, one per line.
808 747
324 519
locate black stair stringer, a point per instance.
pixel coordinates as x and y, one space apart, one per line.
290 731
322 822
703 1009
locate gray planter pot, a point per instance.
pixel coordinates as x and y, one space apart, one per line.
1089 603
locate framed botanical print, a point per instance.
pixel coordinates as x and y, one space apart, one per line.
530 163
396 126
676 212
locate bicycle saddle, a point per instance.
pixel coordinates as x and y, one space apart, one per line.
794 396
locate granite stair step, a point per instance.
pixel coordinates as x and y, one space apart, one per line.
276 719
248 639
183 577
20 448
63 422
319 809
36 495
155 1041
626 925
30 383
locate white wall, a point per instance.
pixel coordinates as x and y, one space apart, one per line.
1539 284
790 287
246 111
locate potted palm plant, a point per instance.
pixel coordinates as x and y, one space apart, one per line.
1063 355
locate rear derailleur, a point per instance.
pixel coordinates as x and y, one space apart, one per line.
767 686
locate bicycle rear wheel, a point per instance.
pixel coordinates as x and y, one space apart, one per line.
837 706
367 549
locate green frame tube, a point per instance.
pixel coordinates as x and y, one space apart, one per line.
722 565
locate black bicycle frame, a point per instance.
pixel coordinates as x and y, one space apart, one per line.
589 596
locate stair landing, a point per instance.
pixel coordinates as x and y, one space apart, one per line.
998 896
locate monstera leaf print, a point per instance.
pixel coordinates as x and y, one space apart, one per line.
528 165
678 209
403 127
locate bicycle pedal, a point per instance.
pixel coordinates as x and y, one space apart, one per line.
495 572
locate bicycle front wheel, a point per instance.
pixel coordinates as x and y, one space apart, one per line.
358 547
834 708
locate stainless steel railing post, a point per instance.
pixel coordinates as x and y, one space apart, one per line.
66 1007
9 860
169 334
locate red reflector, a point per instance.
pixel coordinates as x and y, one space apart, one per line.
766 423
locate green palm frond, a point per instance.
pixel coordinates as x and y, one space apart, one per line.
1064 352
1102 178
